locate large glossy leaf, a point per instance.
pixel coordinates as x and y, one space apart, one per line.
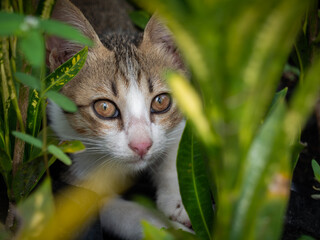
36 211
194 186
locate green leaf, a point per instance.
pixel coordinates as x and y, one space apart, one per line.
4 235
36 211
57 152
71 146
316 169
305 237
28 139
153 233
140 18
28 80
278 98
10 23
5 167
67 71
62 101
265 185
34 113
5 162
194 186
55 81
32 45
63 30
27 177
51 139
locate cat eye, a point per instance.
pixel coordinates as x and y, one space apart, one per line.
105 109
161 103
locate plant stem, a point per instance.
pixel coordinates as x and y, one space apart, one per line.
47 7
44 119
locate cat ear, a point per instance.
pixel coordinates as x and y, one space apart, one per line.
59 50
157 34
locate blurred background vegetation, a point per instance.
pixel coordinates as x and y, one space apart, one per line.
237 52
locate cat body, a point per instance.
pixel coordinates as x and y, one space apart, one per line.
126 117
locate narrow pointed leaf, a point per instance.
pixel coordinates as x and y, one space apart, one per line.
28 80
28 139
65 31
62 101
55 81
71 146
67 71
265 187
194 186
54 150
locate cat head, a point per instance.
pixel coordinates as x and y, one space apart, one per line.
126 115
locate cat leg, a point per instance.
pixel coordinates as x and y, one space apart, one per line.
168 193
123 218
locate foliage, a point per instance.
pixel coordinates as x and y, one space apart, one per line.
316 171
237 51
26 150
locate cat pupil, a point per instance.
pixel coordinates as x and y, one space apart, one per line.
105 106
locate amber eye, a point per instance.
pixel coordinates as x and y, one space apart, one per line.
105 109
161 103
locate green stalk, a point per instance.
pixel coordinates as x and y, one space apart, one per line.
47 8
44 119
5 98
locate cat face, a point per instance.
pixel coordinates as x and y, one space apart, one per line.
126 115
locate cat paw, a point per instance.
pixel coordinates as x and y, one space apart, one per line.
180 215
173 208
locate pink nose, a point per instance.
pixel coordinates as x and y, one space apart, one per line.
141 148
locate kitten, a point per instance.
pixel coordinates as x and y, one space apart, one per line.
126 117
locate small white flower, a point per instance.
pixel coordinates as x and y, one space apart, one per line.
30 22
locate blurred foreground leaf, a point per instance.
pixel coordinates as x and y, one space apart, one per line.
27 177
28 80
153 233
58 153
36 211
62 101
139 18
